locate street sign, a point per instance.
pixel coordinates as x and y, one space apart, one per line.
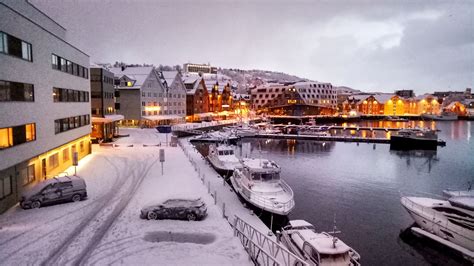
75 158
162 155
162 159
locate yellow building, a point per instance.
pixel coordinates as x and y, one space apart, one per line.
427 103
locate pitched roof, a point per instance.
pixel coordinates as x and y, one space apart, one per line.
139 74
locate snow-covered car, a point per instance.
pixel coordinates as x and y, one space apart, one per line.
54 190
179 209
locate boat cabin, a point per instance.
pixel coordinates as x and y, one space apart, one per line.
261 170
221 150
321 248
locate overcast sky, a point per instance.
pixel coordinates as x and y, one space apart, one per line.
367 45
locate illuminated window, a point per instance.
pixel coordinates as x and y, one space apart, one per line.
30 132
6 138
129 84
53 161
65 154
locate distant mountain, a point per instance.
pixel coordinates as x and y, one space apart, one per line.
252 78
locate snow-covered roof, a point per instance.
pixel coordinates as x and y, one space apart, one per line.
323 242
383 98
424 96
300 223
138 74
260 164
169 76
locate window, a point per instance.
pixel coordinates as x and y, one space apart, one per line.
53 161
65 124
68 95
5 186
16 91
81 146
27 174
65 154
13 46
17 135
67 66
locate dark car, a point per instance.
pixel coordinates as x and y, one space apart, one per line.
179 209
54 190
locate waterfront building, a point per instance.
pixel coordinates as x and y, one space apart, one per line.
427 103
295 99
197 99
104 118
148 97
220 95
44 100
199 68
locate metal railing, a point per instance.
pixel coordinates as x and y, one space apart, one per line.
261 248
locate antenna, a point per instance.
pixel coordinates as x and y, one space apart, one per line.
334 231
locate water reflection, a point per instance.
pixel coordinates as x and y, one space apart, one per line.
290 146
428 250
418 159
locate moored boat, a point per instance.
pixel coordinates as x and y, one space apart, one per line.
223 159
258 182
414 139
449 222
469 192
444 116
317 248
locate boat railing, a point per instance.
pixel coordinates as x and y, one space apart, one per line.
262 249
268 203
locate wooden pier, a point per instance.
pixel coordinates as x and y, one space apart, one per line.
322 138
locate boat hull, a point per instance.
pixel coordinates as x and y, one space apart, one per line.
428 221
239 190
440 117
406 143
220 169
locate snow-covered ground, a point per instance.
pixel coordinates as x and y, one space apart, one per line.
106 228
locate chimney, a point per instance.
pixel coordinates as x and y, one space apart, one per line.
123 67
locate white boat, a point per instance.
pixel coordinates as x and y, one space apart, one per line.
243 130
258 182
217 137
223 159
313 131
315 248
450 220
460 193
444 116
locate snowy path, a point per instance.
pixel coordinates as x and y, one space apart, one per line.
106 229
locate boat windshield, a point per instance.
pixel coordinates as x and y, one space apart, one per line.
265 176
334 258
226 152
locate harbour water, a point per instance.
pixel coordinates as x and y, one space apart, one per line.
360 184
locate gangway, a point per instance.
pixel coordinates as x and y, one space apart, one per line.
262 249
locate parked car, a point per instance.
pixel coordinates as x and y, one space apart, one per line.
55 190
180 209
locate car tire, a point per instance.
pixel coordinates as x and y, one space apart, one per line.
76 198
35 204
191 216
152 216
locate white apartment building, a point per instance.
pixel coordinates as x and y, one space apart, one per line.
44 99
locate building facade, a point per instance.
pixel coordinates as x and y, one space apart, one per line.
44 99
295 99
199 68
148 97
197 99
104 118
